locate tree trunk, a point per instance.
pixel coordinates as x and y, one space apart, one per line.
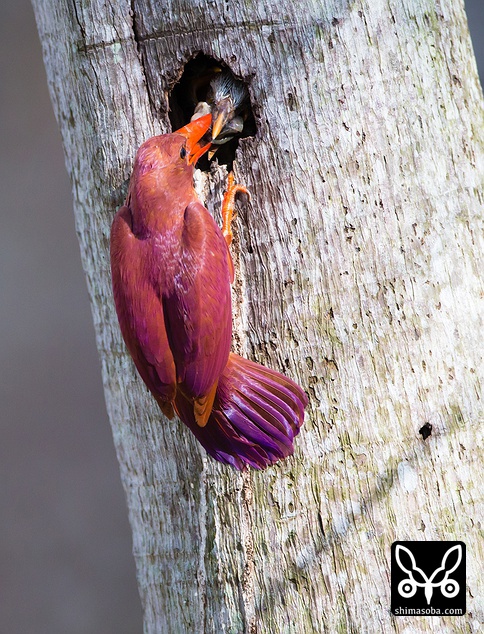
357 264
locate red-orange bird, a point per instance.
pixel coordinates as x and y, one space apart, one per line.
171 273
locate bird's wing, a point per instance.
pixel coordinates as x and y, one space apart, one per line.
140 311
197 309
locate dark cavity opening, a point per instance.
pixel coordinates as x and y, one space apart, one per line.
202 78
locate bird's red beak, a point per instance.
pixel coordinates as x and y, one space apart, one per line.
194 132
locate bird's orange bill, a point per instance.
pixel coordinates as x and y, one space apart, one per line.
194 132
222 114
219 123
217 127
199 153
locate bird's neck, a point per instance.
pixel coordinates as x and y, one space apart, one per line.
158 203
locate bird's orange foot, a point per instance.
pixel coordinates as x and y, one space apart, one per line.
228 206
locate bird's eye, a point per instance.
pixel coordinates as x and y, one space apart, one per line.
183 152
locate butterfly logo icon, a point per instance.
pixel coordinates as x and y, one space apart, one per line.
418 579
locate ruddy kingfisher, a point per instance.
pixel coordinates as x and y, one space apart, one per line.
171 274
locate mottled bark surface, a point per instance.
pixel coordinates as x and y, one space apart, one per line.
358 275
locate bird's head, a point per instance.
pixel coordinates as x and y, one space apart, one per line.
173 152
162 176
229 99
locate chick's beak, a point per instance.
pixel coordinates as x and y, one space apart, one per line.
222 113
194 132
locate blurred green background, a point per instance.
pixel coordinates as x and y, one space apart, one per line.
65 546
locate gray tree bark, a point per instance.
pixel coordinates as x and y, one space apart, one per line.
358 275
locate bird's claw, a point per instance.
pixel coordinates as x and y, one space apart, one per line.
228 206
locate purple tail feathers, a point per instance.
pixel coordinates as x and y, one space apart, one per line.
257 413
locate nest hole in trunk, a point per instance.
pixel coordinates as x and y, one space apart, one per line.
202 77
